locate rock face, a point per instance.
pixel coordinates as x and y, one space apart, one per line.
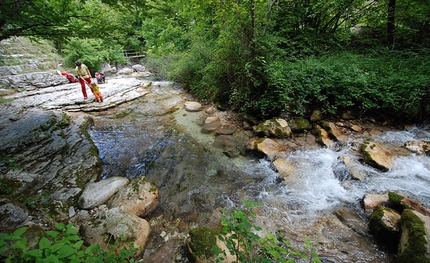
33 80
377 156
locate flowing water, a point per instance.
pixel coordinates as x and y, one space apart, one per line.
155 137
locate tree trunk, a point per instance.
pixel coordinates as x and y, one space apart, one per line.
391 23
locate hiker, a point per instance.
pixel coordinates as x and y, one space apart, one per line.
100 77
96 91
84 76
69 76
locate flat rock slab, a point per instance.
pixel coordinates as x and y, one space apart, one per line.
69 96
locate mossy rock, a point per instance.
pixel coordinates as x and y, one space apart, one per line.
384 225
299 125
201 242
413 246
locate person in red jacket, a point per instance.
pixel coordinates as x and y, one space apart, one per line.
84 76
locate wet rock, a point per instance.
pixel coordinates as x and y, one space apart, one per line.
370 201
100 192
353 167
139 197
275 127
420 147
414 242
230 145
267 146
227 129
322 136
211 124
193 106
284 168
400 202
377 156
351 219
116 226
333 131
384 225
12 213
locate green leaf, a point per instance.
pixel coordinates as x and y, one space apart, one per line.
44 243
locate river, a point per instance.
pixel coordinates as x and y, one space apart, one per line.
155 137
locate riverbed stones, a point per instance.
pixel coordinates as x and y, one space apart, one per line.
139 197
100 192
229 145
117 226
377 156
193 106
333 131
322 136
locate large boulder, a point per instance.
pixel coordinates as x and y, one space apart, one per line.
377 156
139 197
299 125
12 213
211 124
32 80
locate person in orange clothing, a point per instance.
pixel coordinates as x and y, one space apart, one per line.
96 91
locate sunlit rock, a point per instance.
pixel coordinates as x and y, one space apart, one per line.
420 147
333 131
285 168
356 128
267 146
414 243
377 156
322 136
370 201
100 192
116 226
193 106
139 197
275 127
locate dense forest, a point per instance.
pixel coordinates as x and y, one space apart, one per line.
259 57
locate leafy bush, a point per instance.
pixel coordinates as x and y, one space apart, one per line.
93 53
238 233
60 245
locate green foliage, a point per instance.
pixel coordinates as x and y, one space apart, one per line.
93 53
238 234
60 245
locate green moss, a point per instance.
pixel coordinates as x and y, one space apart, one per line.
380 230
395 198
415 247
202 241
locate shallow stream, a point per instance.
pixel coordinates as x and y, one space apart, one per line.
155 137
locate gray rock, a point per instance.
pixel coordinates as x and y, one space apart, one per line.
12 213
100 192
